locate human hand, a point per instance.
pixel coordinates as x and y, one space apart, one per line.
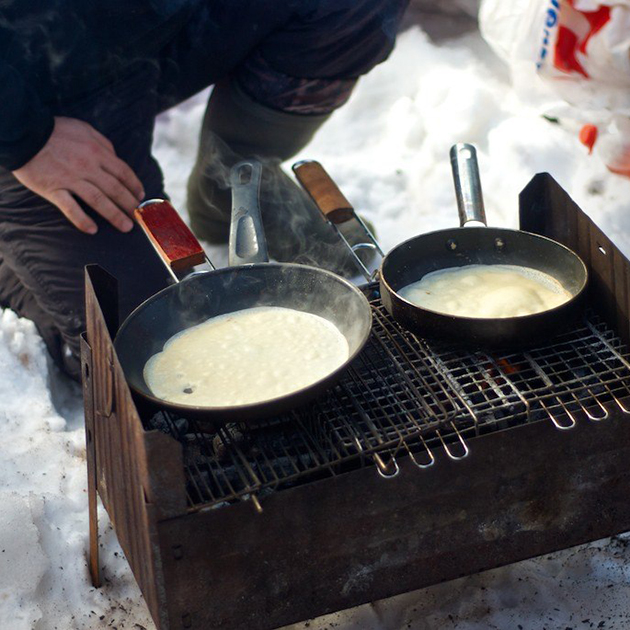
78 160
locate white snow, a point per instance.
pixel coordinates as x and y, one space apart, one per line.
388 151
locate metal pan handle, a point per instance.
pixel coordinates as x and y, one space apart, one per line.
247 235
333 204
172 239
467 184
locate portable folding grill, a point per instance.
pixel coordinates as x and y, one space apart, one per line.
425 463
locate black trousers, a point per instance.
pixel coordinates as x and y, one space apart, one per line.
42 256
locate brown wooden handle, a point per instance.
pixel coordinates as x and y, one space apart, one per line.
324 192
171 237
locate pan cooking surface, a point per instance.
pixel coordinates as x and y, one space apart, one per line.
246 357
489 291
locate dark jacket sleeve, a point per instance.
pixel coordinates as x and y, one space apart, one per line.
25 124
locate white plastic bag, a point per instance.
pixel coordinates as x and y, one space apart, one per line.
581 50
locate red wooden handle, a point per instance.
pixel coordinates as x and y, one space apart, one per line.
171 237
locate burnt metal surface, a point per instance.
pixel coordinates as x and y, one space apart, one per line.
355 538
545 208
138 474
346 535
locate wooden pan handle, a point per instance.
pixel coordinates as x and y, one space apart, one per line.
171 237
324 192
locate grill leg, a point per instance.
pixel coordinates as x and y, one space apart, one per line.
90 447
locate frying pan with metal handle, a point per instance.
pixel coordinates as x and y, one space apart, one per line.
252 283
413 259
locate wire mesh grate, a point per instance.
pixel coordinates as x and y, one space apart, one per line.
405 396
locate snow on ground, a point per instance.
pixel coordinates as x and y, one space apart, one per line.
388 151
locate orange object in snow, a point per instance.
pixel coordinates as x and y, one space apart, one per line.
588 136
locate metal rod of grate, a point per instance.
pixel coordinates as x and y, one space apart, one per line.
406 396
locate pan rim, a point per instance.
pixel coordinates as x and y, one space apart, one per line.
466 318
259 406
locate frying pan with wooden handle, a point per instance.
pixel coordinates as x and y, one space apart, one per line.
250 282
456 247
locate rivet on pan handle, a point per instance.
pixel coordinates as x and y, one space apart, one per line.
333 204
467 184
171 238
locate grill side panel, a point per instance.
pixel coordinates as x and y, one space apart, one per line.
546 208
355 538
139 475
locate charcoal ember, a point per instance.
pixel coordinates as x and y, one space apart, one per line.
230 436
166 423
219 447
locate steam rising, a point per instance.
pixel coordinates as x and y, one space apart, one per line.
296 232
291 286
295 229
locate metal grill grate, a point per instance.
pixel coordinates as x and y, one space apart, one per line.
406 396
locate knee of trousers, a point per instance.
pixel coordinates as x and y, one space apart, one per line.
335 38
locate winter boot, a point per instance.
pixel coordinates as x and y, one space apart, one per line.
237 127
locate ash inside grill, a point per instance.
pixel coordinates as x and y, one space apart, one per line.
405 396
